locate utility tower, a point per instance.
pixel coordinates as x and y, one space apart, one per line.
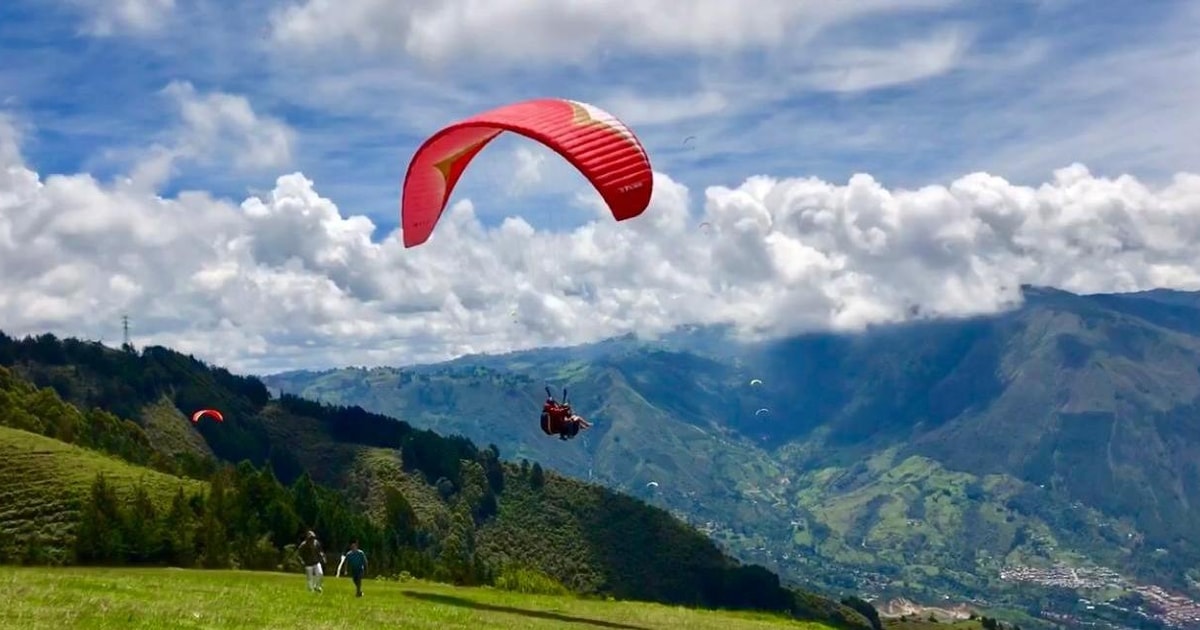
125 330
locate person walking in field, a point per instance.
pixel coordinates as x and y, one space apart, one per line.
312 555
358 566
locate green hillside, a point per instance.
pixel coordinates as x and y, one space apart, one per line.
916 461
43 482
432 506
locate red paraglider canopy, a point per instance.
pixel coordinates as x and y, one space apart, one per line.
591 139
213 413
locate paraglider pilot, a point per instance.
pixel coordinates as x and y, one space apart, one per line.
558 418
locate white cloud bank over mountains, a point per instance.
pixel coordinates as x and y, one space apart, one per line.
287 281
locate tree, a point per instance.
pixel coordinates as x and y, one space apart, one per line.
457 557
214 534
304 497
179 532
866 609
278 513
247 498
537 477
144 538
99 536
493 467
400 526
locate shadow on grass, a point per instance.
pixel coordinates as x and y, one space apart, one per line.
450 600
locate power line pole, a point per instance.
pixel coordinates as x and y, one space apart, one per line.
125 329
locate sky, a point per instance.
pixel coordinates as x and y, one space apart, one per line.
228 174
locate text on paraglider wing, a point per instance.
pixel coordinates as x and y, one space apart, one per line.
628 187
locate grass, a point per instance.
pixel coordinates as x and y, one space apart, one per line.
42 481
97 598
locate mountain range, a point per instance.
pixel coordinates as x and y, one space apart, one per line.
104 467
933 460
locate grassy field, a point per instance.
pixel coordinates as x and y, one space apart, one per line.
43 479
174 598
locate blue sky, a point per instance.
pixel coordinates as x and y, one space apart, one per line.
229 172
916 95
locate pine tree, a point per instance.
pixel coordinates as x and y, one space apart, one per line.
144 538
214 534
475 491
304 497
401 521
278 514
179 532
99 538
457 558
537 477
494 468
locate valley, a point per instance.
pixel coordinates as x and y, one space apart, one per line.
924 461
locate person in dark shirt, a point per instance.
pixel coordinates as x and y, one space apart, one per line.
357 561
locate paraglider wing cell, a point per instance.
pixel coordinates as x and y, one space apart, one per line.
594 141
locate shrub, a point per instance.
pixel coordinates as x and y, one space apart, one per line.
528 581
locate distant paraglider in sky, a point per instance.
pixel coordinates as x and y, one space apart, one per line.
689 143
212 413
604 150
652 484
762 412
755 381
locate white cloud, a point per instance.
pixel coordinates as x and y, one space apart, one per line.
110 17
10 141
287 281
551 31
350 57
214 126
529 169
860 69
656 110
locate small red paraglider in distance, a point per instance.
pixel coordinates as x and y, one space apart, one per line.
213 413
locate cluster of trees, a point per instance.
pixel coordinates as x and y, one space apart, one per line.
248 519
